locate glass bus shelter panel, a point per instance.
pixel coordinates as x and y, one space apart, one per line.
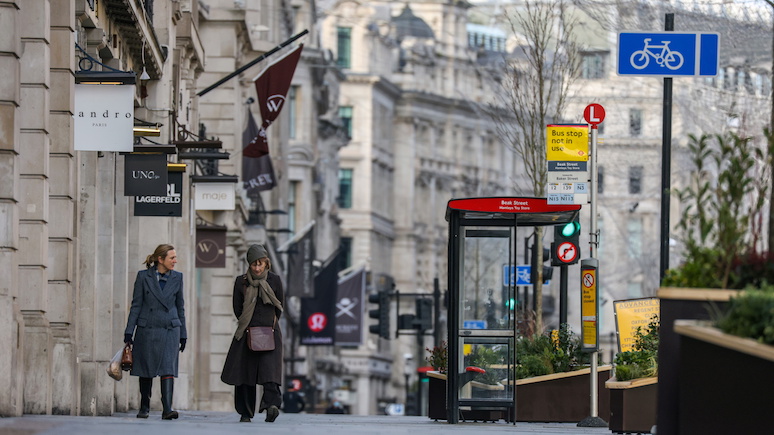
486 294
495 357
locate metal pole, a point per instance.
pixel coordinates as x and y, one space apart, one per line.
251 63
594 420
666 161
594 239
437 312
563 272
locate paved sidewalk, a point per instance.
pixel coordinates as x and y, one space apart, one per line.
202 422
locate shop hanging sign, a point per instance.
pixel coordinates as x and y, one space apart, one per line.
211 247
214 196
170 204
103 119
145 174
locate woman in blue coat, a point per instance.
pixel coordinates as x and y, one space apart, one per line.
157 320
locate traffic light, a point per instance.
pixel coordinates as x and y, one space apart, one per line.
381 314
548 271
424 319
566 246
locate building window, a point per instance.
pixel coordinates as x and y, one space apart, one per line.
600 179
600 237
729 82
345 188
634 232
344 47
293 103
635 122
292 205
634 290
593 65
635 179
345 113
345 253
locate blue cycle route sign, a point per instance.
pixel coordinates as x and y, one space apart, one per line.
668 54
517 275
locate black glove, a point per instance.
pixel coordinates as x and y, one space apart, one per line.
128 339
182 344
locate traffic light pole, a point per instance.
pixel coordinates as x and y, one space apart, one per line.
563 272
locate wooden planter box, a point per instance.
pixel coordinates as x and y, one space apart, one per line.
561 397
725 383
678 303
436 403
632 405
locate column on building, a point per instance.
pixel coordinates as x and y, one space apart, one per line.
11 323
62 197
33 193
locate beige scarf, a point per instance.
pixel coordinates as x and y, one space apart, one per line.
257 286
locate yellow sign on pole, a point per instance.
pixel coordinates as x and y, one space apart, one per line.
630 314
567 143
589 304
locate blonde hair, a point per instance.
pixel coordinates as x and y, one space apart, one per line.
161 251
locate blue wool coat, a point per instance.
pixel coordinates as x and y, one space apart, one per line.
159 318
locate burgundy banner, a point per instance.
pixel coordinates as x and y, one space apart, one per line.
272 86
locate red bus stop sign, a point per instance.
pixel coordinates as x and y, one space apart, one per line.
594 114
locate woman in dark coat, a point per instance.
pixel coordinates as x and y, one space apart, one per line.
258 300
158 314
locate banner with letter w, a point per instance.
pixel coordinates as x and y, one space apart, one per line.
272 85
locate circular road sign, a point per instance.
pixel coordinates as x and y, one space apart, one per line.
566 252
594 114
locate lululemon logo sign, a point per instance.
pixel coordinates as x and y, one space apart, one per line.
274 103
317 322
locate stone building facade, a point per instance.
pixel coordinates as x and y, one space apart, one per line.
71 245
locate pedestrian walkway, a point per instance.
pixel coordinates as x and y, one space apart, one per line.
203 422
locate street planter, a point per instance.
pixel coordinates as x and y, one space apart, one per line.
679 303
724 382
436 400
558 397
561 397
632 405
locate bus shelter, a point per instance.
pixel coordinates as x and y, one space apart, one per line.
482 325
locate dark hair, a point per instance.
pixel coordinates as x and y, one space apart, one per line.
161 251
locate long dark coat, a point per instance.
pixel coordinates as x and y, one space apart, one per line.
159 316
243 366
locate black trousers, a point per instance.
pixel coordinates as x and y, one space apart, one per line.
245 397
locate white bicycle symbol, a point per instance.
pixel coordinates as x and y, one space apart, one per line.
668 58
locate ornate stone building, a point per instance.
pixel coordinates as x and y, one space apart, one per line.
71 242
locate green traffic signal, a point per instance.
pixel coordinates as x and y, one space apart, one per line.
570 229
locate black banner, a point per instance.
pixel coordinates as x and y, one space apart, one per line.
211 247
318 321
300 270
349 309
169 205
257 172
145 174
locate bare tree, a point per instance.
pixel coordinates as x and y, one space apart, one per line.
534 90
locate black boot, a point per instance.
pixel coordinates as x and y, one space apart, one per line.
167 387
145 395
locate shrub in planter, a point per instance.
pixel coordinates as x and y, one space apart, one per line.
439 357
544 354
751 315
721 219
